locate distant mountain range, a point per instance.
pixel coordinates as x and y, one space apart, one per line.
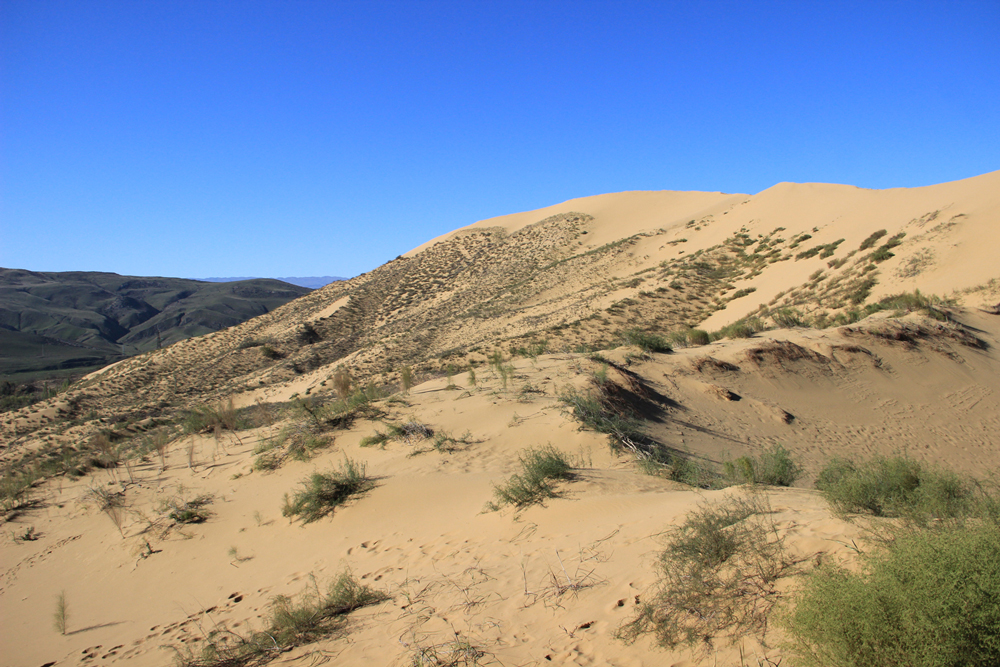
57 322
312 282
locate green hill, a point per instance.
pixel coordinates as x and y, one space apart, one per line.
54 323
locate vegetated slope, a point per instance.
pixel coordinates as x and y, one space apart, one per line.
543 583
69 320
572 276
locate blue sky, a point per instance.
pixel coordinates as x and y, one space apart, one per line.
324 138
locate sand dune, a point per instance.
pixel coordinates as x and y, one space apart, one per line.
549 584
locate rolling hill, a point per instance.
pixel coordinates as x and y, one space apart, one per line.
71 321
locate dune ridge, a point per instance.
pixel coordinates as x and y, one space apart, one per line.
548 583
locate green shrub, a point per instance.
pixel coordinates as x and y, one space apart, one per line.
744 328
321 493
895 487
716 576
647 342
534 483
929 599
772 467
698 337
871 240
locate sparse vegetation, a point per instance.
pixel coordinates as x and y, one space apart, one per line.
188 511
290 623
716 577
647 342
872 239
772 467
322 493
61 615
539 468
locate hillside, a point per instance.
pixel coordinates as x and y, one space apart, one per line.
59 322
649 338
577 274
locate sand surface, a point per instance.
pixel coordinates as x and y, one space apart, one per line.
549 584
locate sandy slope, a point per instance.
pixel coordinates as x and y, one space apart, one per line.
550 584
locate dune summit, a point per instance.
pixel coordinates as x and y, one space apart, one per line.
485 445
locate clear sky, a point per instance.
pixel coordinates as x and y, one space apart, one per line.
295 138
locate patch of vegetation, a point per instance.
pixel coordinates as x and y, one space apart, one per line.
928 599
290 623
647 342
539 468
188 511
15 490
208 418
600 408
14 396
872 240
682 468
716 577
744 328
322 493
772 467
895 487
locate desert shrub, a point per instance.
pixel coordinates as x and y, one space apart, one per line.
744 328
860 291
596 410
647 342
188 511
205 418
290 622
928 599
871 240
445 442
534 483
716 577
698 337
895 486
15 490
787 318
773 467
321 493
270 353
678 467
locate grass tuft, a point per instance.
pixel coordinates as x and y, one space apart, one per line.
321 493
539 467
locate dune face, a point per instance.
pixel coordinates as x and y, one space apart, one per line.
175 528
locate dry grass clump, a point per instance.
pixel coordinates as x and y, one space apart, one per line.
711 363
717 577
322 493
407 432
290 623
188 511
